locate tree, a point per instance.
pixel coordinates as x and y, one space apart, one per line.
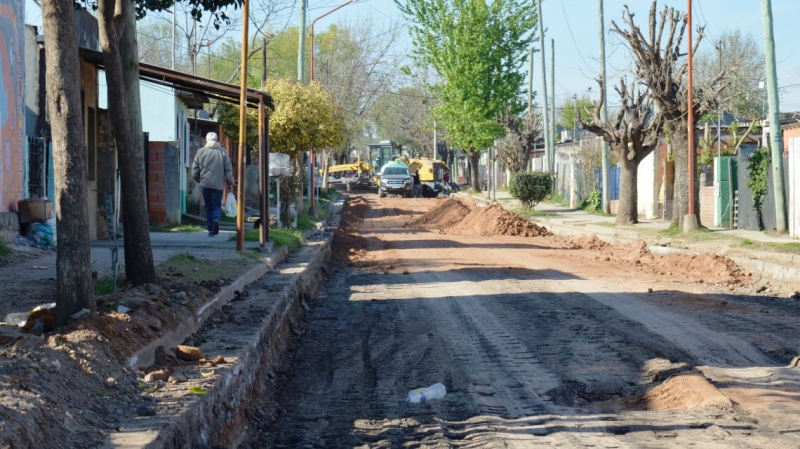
74 286
305 117
113 18
737 58
403 115
632 135
476 48
515 148
568 120
661 66
356 63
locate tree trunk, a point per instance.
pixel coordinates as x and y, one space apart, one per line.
628 210
139 267
74 287
475 174
680 202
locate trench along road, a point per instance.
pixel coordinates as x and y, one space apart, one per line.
540 342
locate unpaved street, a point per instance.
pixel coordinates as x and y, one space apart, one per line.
540 341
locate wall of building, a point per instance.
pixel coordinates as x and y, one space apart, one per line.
793 184
12 104
163 177
647 188
89 94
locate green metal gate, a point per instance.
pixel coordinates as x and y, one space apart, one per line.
725 169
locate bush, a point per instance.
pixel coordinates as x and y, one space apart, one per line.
594 202
530 188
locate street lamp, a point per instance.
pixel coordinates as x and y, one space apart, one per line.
312 209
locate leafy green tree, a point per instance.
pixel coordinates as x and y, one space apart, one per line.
585 107
476 48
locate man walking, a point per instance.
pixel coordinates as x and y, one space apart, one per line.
212 170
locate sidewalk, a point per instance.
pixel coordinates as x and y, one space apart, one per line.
774 257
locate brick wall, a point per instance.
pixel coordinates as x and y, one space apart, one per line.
157 184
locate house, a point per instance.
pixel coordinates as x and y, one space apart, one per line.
791 149
38 153
12 114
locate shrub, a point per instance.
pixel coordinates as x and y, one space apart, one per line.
594 202
530 188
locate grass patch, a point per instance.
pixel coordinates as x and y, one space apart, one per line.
190 268
290 238
789 247
227 219
531 213
180 228
105 285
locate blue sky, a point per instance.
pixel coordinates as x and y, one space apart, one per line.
573 24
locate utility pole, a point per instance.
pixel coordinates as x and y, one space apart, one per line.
263 61
604 110
530 83
690 220
174 15
435 143
719 112
552 160
547 131
301 49
575 118
776 138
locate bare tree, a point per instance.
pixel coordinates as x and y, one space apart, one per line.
661 66
515 149
737 59
357 63
632 134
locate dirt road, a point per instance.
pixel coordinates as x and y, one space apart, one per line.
540 341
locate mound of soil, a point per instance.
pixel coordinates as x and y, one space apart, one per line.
459 217
77 380
704 268
349 246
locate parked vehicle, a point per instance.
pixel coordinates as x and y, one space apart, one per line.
359 175
395 179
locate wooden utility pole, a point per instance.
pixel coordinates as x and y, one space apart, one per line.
776 137
243 134
604 111
547 131
263 61
690 220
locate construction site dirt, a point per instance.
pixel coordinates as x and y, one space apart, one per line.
540 341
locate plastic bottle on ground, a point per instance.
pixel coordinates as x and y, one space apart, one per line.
17 318
435 391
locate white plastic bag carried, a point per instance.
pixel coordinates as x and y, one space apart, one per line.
230 205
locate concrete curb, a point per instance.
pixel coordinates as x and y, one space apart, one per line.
146 356
217 418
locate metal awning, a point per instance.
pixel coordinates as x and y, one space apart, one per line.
190 83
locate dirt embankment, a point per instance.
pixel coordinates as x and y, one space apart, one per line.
77 380
459 217
349 246
463 217
711 269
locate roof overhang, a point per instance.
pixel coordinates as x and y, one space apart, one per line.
204 87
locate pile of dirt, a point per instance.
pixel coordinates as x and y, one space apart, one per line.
704 268
349 246
460 217
77 379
